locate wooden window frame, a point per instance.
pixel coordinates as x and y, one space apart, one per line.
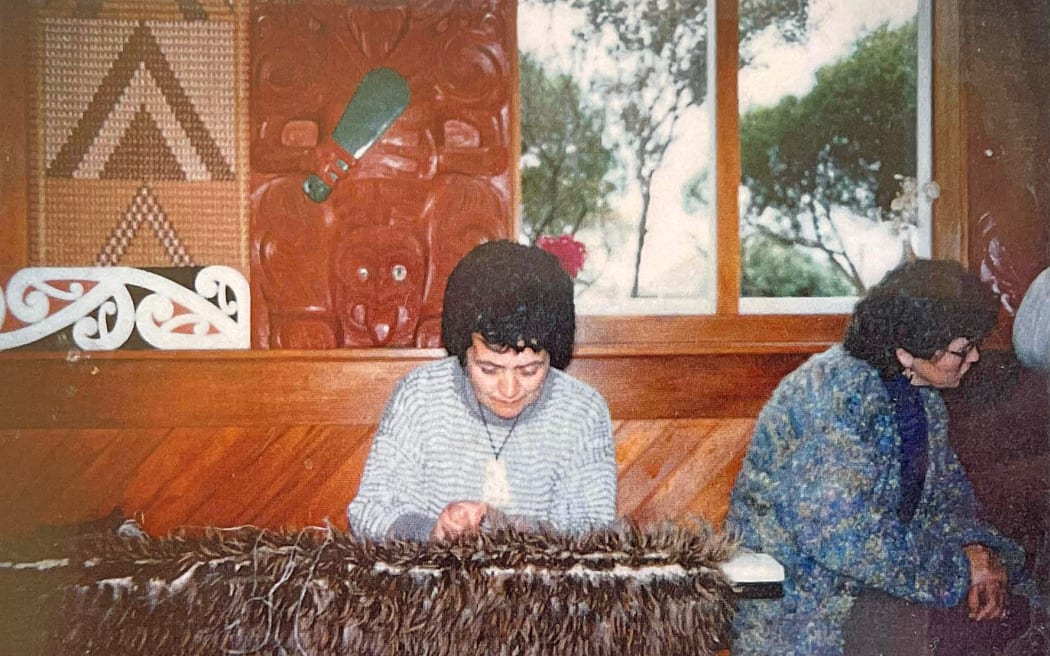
729 331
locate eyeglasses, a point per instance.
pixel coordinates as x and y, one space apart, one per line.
964 352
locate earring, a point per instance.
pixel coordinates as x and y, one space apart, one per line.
908 373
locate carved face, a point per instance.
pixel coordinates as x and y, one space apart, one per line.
380 274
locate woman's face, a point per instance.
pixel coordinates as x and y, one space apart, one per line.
947 366
506 382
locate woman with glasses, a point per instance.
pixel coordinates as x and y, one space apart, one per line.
851 484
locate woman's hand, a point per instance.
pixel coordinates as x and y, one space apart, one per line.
459 517
988 583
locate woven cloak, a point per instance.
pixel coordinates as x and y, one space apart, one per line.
320 591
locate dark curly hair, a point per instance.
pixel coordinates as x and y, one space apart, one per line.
515 297
920 307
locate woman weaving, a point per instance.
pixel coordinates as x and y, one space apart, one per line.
496 430
851 484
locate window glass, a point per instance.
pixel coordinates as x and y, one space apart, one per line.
829 198
614 131
618 150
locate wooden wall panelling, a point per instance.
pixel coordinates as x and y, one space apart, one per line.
148 390
685 386
274 477
679 470
279 438
260 388
14 248
367 266
56 477
704 486
284 476
287 477
645 455
707 334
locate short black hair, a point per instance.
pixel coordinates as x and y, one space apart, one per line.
514 296
920 307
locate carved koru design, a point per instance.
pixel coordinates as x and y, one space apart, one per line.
459 212
97 303
433 186
291 245
1007 269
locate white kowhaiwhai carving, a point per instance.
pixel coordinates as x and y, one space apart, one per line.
103 314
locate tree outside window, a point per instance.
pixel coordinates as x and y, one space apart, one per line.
618 148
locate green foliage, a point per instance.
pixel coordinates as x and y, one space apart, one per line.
658 50
771 268
789 17
838 146
663 42
566 167
853 131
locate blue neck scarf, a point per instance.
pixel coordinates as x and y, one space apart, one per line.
911 424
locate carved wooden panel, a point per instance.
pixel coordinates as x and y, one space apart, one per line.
367 267
1006 70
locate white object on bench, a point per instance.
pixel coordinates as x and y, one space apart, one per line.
751 567
755 575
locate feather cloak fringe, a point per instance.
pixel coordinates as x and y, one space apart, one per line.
622 590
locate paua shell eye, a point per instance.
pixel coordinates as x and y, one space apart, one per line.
362 274
398 272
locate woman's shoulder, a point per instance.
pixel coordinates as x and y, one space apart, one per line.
430 378
428 390
435 369
831 389
836 365
566 391
831 376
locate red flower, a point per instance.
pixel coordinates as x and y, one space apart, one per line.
570 253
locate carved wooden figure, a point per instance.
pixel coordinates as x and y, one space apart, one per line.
367 266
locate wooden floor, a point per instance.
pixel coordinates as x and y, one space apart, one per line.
294 476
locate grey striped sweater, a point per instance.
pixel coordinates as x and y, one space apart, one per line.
431 448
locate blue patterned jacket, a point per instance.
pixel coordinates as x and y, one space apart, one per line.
819 490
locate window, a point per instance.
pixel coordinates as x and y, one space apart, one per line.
830 154
630 127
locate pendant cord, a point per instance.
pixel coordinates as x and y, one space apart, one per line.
492 443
